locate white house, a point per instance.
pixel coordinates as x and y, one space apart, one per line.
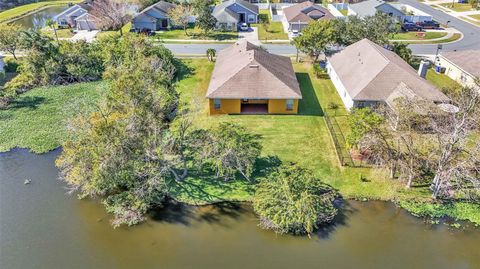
366 74
400 12
461 66
77 16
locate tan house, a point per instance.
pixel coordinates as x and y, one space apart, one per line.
249 80
300 15
461 66
366 74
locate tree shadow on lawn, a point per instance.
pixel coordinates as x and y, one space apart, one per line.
309 104
183 70
31 102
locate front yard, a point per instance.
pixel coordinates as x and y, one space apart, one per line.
417 35
458 7
274 30
194 33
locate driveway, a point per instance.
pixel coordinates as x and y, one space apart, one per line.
88 36
251 36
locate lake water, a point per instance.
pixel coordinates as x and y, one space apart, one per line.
37 20
42 227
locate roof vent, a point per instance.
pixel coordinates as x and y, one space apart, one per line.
254 66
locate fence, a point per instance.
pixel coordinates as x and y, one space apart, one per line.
339 141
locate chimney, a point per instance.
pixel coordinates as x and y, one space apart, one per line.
422 69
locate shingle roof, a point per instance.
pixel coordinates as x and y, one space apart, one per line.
244 70
305 12
366 8
468 60
222 8
161 6
370 72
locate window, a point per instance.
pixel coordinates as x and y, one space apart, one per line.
217 103
251 18
289 104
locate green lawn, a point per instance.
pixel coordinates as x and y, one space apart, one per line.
19 11
275 29
195 33
415 35
62 33
344 12
470 20
441 81
37 119
477 16
459 7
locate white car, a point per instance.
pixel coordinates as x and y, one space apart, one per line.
244 27
295 33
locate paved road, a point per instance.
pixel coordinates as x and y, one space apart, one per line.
471 38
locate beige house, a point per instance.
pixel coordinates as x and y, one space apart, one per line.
249 80
300 15
366 74
461 66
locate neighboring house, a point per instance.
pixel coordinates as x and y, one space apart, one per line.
249 80
366 74
298 16
68 16
154 17
462 66
400 12
231 13
86 22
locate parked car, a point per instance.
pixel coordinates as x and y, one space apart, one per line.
410 26
295 33
429 24
244 27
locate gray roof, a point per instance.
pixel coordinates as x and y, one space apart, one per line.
221 12
306 12
370 7
467 60
244 70
370 72
161 6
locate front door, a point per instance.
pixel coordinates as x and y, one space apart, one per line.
164 23
242 17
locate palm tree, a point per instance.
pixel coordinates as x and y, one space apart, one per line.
51 23
211 53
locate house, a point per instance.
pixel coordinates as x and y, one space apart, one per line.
298 16
68 17
249 80
154 17
366 74
400 12
231 13
462 66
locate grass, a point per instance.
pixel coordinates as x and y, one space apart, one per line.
476 16
195 33
19 11
458 7
62 33
471 21
275 29
441 81
454 37
415 35
37 119
344 12
125 29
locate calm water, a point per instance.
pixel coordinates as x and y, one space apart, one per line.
42 227
37 20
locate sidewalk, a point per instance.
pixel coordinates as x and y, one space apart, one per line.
461 15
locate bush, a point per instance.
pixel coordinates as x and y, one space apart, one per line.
293 200
319 71
11 65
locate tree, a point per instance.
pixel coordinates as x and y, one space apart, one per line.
205 20
111 14
316 38
211 53
473 3
10 39
180 15
293 200
402 50
51 23
229 149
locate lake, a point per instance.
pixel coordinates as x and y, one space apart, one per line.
37 19
43 227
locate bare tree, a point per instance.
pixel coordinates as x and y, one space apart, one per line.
111 14
180 16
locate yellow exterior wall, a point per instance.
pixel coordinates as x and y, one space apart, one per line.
227 106
279 106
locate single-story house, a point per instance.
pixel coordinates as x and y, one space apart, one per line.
86 22
462 66
400 12
231 13
298 16
154 17
68 17
249 80
366 74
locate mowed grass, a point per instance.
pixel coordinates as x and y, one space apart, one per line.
194 33
458 7
37 120
302 138
416 35
19 11
441 81
275 28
